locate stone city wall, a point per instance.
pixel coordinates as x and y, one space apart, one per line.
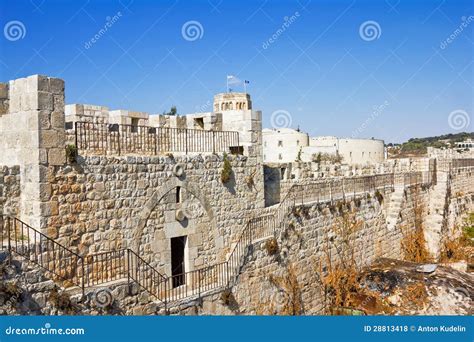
32 137
109 203
278 283
10 190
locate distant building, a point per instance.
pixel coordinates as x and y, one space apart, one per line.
283 145
287 145
468 143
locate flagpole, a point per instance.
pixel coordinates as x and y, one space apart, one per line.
245 86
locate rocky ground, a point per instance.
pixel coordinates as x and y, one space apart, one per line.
405 288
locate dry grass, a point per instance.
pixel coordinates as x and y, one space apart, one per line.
416 294
461 246
413 242
289 284
271 246
339 273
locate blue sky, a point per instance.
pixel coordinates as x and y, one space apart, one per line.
323 69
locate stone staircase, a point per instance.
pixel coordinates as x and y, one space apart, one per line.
435 221
394 207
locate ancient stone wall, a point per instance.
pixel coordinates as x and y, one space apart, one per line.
109 203
9 190
32 136
277 283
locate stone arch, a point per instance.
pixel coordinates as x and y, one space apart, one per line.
154 200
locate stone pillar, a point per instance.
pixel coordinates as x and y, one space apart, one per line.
34 139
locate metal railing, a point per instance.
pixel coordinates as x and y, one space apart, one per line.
103 267
129 139
34 246
146 276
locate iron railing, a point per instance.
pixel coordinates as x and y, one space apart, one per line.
103 267
146 276
118 139
34 246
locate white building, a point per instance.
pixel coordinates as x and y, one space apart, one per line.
283 145
466 144
286 145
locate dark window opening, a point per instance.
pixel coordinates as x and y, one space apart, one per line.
134 125
68 125
114 128
199 123
177 260
178 194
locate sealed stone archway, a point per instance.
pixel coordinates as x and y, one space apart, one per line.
172 227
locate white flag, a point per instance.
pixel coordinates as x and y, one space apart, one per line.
232 80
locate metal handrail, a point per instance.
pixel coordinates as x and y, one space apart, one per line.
42 250
112 265
123 138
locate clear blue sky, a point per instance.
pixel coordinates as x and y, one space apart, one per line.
318 69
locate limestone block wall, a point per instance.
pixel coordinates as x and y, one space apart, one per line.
461 181
32 136
109 203
305 245
10 190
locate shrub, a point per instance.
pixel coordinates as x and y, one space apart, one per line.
249 180
327 157
227 297
61 301
289 285
379 196
272 246
10 289
226 170
71 153
413 242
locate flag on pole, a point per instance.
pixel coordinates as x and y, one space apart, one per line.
232 80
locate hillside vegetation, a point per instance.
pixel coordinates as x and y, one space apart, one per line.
420 145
